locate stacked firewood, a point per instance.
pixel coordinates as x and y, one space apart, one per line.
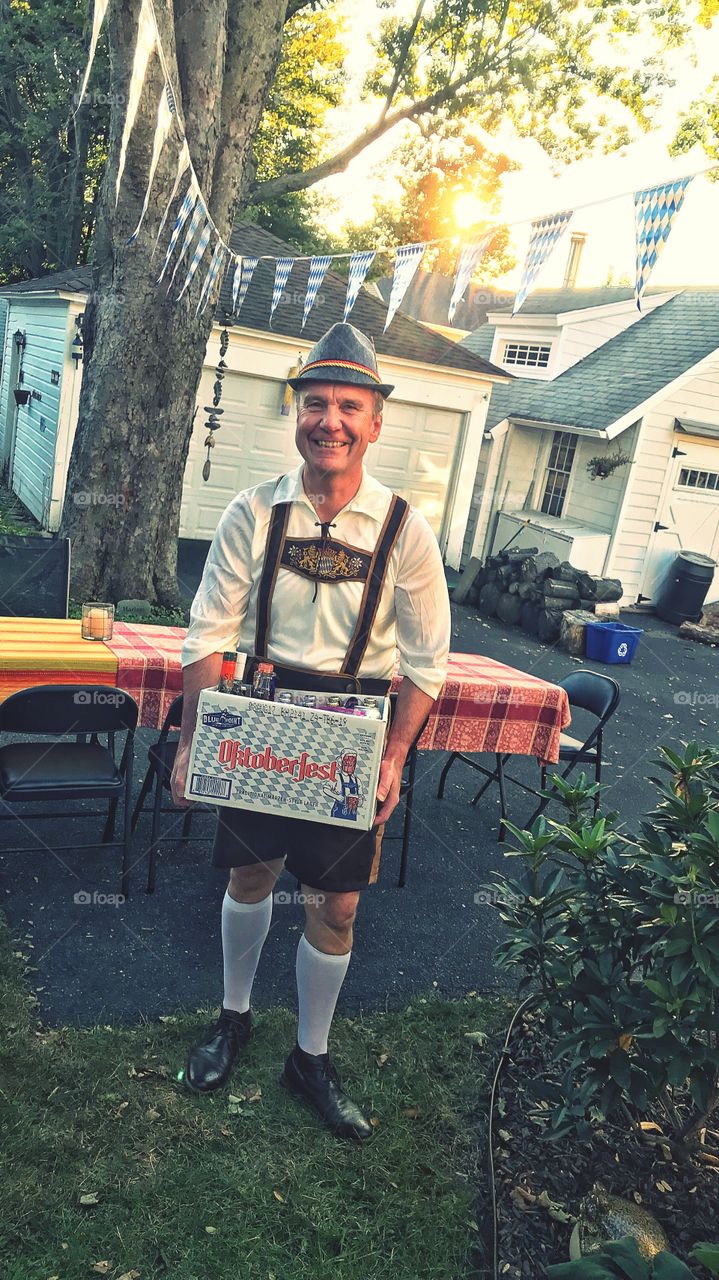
532 589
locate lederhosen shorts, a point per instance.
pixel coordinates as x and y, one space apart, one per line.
321 856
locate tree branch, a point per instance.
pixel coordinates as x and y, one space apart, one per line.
402 60
294 6
287 182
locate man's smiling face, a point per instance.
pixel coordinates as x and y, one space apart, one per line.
335 424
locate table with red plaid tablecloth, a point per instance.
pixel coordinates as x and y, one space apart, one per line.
483 706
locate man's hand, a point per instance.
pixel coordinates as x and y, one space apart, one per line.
179 777
390 777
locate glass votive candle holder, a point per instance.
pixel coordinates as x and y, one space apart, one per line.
97 621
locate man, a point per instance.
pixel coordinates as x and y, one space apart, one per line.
339 602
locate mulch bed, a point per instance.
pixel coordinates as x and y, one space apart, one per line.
528 1167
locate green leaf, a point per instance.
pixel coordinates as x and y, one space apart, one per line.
626 1258
620 1067
707 1255
667 1267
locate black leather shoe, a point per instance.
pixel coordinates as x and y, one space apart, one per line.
209 1065
314 1080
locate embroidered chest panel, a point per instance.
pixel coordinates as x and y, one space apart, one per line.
325 560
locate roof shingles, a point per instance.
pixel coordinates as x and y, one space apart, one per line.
620 375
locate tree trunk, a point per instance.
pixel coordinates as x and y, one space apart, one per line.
122 504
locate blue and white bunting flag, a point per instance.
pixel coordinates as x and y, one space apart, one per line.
98 18
360 264
318 271
468 259
146 41
162 128
196 259
187 205
654 212
183 164
199 214
216 264
244 271
283 267
405 265
545 234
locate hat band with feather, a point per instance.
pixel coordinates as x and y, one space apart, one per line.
342 364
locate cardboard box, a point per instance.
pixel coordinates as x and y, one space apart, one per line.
321 766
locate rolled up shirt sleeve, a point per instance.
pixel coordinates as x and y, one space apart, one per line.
218 609
423 616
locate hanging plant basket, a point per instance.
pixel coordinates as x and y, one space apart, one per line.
604 464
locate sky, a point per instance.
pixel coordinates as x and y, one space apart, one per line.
690 255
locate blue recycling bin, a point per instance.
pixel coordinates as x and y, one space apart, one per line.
612 642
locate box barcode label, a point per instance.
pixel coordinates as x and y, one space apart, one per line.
218 788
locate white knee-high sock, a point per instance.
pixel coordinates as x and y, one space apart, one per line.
245 926
319 979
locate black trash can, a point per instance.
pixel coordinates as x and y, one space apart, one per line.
685 587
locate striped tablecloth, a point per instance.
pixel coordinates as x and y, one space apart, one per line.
483 706
50 651
148 666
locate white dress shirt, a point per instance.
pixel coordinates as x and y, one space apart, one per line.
413 614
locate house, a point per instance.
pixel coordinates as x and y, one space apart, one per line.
433 428
595 379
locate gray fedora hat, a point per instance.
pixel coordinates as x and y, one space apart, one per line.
343 354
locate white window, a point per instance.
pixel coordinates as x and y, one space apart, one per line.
531 355
556 481
691 479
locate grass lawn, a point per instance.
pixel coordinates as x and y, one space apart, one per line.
111 1168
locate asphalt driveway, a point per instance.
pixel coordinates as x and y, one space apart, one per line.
97 962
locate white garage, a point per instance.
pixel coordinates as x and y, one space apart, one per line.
415 455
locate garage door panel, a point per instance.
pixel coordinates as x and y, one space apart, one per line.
413 456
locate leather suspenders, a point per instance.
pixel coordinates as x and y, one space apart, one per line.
396 516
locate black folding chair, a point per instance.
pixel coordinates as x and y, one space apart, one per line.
587 691
161 756
34 576
599 695
45 771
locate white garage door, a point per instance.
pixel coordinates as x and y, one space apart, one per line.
690 514
414 455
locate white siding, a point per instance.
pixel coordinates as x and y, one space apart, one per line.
596 502
698 401
580 338
45 324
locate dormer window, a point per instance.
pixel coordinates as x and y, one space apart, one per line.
530 355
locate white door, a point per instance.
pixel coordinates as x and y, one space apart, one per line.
689 514
414 455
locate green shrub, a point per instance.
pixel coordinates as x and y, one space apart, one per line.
621 936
